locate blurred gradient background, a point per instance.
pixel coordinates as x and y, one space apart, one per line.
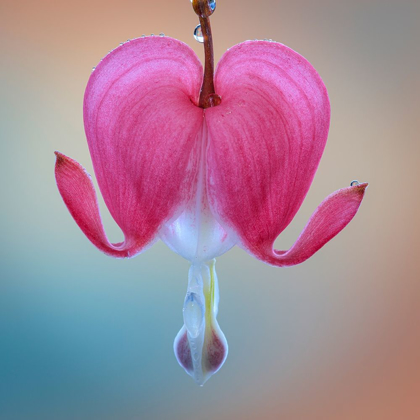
84 336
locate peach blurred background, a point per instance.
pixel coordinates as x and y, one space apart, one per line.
83 336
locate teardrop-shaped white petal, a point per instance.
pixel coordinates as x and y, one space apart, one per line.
200 346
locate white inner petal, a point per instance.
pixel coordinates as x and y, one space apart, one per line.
195 234
200 346
193 312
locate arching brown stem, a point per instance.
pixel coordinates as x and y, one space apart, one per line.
208 97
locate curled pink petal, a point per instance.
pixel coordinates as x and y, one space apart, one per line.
78 193
266 138
141 124
332 215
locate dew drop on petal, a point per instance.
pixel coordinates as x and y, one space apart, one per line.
198 34
212 4
354 183
161 34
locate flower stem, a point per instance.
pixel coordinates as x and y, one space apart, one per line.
208 97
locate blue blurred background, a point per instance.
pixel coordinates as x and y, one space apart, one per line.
84 336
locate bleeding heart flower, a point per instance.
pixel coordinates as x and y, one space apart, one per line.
204 169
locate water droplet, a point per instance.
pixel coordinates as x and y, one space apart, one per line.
193 314
214 99
212 5
198 34
143 36
128 40
161 34
93 69
152 34
121 43
354 183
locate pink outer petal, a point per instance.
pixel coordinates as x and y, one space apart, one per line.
78 193
141 125
266 138
332 215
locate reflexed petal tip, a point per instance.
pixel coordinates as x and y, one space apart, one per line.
331 216
78 193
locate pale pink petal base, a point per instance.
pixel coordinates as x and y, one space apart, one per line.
332 216
78 193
